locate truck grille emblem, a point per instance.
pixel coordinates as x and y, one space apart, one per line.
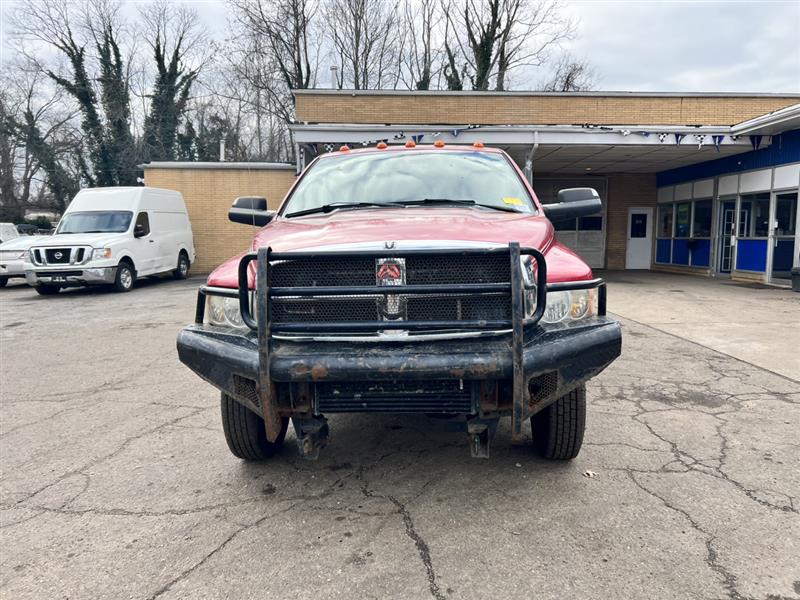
391 271
58 255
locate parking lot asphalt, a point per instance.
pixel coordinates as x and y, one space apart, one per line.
116 481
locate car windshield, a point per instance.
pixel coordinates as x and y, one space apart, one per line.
480 178
112 221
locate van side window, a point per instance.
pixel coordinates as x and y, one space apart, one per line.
142 224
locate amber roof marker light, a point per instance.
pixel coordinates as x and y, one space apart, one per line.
411 144
344 148
382 146
439 143
478 145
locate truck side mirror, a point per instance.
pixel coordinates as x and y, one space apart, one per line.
572 203
250 210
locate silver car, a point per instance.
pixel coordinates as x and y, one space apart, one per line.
12 256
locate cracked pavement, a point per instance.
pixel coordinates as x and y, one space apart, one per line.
116 482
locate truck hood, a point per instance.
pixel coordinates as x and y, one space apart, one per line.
412 228
406 227
95 240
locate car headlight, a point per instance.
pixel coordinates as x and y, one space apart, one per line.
101 253
224 311
566 306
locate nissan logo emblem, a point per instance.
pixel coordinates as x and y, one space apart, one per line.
58 255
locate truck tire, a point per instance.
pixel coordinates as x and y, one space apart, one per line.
245 432
3 281
558 429
47 290
126 277
182 271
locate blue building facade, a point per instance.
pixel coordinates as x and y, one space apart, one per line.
736 216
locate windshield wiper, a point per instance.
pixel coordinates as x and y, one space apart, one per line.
326 208
462 202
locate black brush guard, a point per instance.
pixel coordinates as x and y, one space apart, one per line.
515 289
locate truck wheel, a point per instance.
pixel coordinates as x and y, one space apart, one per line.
3 281
125 278
47 290
182 272
558 429
245 431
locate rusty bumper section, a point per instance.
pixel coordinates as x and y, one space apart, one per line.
554 361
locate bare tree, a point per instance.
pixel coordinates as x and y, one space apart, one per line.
39 149
284 27
497 36
570 75
75 30
364 39
420 57
174 36
273 48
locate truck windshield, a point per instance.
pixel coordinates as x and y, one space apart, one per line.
112 221
478 179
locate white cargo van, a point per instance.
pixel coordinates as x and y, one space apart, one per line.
112 236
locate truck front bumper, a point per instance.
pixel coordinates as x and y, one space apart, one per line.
71 277
309 376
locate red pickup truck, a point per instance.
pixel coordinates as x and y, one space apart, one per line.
416 279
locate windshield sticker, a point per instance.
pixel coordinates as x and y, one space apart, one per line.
514 201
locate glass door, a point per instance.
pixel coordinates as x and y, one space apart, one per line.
727 228
783 238
752 241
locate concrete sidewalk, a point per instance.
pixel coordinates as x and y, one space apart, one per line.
755 323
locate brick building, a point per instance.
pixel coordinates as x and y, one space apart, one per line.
704 183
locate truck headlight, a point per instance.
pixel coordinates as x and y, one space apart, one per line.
568 306
224 311
232 312
98 253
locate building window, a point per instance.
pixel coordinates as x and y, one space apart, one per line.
568 225
786 214
702 219
683 215
665 221
688 242
760 218
593 223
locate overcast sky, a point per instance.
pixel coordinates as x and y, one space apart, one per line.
691 46
730 46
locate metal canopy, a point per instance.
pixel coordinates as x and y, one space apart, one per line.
559 149
619 159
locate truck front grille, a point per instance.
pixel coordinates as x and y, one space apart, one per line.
332 271
444 396
58 256
70 255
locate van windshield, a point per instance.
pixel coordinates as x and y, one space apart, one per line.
112 221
